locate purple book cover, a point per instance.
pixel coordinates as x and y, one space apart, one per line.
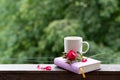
88 66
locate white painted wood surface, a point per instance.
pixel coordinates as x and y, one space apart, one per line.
33 67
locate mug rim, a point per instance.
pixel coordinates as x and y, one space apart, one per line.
73 38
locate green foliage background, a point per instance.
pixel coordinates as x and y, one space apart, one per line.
32 31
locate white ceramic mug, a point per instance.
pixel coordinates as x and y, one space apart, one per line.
75 43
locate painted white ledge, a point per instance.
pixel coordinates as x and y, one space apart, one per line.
33 67
30 72
25 67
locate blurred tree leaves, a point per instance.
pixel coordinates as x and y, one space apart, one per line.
53 40
33 29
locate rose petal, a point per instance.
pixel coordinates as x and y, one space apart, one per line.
38 66
84 60
48 68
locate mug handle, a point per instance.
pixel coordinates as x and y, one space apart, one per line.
85 42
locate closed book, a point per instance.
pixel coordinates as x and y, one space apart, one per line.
89 65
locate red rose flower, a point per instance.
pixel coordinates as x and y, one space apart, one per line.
71 55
